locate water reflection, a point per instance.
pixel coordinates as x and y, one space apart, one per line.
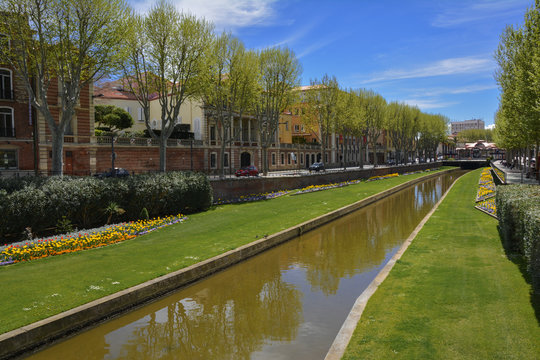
287 303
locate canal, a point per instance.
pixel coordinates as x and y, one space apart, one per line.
286 303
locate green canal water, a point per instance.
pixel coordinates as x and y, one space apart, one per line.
287 303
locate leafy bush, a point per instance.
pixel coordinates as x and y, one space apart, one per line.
518 209
42 204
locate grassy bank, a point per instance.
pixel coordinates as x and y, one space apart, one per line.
38 289
453 295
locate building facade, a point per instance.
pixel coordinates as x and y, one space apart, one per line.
459 126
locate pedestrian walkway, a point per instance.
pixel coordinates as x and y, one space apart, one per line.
514 176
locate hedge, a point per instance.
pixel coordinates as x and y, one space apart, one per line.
39 203
518 209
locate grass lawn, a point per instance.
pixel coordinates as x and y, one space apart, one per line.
453 295
38 289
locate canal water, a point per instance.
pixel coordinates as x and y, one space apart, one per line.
286 303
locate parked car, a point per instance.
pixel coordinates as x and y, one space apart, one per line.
118 172
318 166
247 171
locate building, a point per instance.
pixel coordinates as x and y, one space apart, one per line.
25 140
459 126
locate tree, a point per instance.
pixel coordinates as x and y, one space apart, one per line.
231 87
321 101
279 75
167 61
113 117
432 131
471 135
518 76
373 109
69 43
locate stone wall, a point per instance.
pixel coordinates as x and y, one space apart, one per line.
234 188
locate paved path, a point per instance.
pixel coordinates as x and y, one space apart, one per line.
513 176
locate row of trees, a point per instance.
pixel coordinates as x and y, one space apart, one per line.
172 56
164 54
366 115
518 76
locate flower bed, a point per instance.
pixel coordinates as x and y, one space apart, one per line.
487 206
387 176
485 196
500 174
252 197
313 188
58 245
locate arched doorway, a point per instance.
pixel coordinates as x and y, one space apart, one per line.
245 159
319 157
307 160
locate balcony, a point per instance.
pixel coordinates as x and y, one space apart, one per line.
7 132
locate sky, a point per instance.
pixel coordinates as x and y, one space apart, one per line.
435 54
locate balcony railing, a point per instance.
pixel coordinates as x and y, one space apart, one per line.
7 132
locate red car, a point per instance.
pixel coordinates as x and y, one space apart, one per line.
247 171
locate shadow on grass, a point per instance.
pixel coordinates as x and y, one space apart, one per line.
514 256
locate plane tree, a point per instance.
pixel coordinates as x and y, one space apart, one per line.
279 71
62 45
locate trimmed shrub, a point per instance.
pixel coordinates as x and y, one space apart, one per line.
518 209
41 204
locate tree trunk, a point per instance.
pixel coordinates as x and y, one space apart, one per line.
265 159
57 152
162 154
374 155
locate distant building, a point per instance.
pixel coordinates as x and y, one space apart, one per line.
459 126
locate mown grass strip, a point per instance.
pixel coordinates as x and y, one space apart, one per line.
453 295
38 289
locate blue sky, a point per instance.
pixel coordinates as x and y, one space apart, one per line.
436 54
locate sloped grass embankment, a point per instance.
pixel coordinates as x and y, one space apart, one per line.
35 290
453 295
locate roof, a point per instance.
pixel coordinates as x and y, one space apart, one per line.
117 89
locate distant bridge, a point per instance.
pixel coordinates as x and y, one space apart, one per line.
467 164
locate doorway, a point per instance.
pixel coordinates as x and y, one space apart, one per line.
245 159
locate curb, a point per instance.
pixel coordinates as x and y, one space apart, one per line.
46 331
347 329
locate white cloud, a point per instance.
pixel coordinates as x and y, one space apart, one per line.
451 66
490 126
321 43
225 14
459 13
455 91
425 104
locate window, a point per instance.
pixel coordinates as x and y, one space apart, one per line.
6 89
8 159
213 160
289 159
296 128
212 133
7 126
301 158
226 160
154 124
128 110
286 126
273 158
282 159
141 114
302 128
178 120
